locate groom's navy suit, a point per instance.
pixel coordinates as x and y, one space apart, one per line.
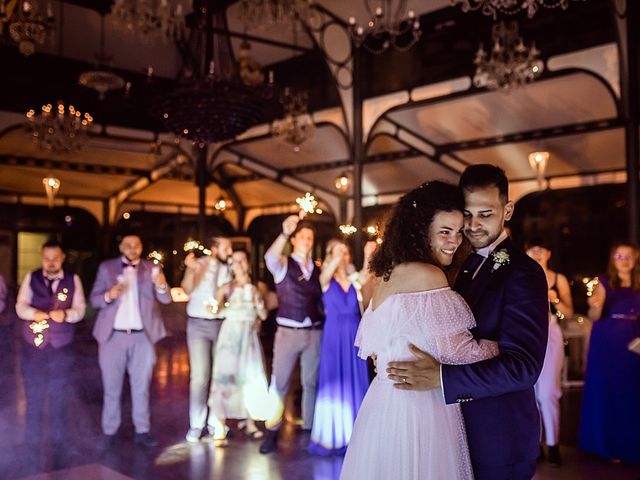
510 303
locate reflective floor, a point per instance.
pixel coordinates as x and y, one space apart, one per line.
176 459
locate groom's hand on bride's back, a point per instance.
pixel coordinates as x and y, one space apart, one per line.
421 374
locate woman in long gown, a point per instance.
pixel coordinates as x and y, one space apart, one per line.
343 378
610 420
239 385
400 434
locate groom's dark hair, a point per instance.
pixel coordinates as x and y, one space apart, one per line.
485 175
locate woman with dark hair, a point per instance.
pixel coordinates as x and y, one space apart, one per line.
610 414
404 434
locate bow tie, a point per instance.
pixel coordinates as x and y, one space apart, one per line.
127 264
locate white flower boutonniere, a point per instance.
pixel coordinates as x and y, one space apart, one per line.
500 258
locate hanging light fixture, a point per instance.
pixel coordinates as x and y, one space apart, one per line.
221 205
27 27
510 63
510 7
214 105
150 19
60 129
297 126
538 162
100 79
51 187
343 182
391 25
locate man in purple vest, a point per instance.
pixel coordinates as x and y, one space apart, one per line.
50 302
300 318
127 290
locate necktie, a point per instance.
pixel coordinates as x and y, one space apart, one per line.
49 283
473 262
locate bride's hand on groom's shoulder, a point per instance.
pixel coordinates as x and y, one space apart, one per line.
421 374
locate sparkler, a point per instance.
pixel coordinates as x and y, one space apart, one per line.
38 329
192 246
308 204
590 284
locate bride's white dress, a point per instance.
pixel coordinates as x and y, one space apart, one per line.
409 435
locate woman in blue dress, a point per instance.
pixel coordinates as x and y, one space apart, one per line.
610 422
343 378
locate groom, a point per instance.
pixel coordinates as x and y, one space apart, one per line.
507 293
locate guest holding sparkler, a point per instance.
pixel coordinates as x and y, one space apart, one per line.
202 278
300 318
50 302
127 291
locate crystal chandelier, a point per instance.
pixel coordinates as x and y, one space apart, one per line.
64 129
391 24
214 105
149 19
510 7
274 13
51 187
26 26
510 63
297 126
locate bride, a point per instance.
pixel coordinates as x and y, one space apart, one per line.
403 434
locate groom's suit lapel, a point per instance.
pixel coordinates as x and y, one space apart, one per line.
487 275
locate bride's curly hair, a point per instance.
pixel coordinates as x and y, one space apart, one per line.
406 234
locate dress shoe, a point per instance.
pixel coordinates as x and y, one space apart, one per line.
554 455
193 435
270 442
145 440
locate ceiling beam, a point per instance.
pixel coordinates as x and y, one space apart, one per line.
537 134
68 166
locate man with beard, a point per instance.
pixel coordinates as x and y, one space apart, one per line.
127 291
507 293
201 280
50 302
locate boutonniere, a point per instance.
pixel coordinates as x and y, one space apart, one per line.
500 258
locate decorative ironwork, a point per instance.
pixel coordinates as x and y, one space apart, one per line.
509 63
510 7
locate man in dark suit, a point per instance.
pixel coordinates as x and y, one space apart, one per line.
507 293
127 291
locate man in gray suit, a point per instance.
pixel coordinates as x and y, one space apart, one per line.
127 290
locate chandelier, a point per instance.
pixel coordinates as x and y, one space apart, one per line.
391 24
51 187
297 126
215 105
59 130
274 13
221 204
538 162
26 27
510 63
510 7
149 19
343 182
100 79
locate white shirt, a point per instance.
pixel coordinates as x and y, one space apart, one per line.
204 293
73 315
128 312
486 251
277 265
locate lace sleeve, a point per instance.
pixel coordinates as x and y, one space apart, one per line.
461 348
449 326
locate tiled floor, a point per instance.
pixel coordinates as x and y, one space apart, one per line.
175 459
